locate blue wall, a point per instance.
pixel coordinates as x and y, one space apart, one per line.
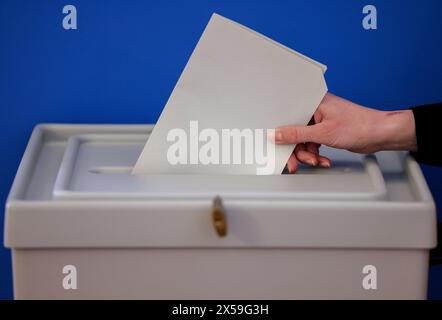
123 61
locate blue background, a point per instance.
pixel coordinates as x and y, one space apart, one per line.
123 61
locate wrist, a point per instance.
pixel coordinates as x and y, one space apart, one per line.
397 130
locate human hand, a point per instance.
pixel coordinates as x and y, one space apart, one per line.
342 124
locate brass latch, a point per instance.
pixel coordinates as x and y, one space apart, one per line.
219 217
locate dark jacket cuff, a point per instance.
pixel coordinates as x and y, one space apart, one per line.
428 126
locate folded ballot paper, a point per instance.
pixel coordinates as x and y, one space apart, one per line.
237 86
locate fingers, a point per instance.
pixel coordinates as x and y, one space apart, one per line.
301 154
309 154
299 134
324 162
306 156
312 147
292 164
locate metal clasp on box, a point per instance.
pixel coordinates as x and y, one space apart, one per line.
219 217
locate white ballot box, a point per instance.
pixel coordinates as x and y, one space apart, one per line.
81 226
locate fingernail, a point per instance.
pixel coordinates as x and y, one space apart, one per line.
278 136
271 135
325 164
312 162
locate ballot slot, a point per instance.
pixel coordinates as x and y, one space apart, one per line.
98 166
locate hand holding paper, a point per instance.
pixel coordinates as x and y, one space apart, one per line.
235 86
342 124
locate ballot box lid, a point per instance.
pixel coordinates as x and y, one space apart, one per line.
74 188
98 166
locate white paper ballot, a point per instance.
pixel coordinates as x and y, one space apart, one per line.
236 85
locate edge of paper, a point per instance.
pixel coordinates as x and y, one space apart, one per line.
320 65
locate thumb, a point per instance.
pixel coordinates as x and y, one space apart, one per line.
299 134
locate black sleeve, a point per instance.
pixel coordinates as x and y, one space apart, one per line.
428 121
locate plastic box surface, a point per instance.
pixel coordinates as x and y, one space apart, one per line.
309 235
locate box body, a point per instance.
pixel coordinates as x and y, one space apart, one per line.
199 273
310 235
